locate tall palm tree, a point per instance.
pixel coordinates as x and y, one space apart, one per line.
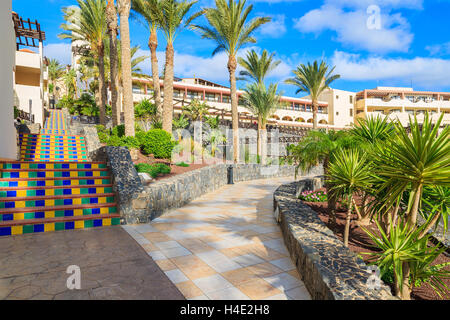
55 72
229 28
313 79
257 67
111 17
148 10
262 102
124 13
70 82
87 23
173 18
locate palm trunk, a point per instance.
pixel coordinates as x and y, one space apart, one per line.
124 11
168 89
258 140
263 144
347 221
412 216
153 45
232 65
102 85
112 30
315 110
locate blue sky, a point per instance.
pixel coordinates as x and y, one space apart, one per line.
371 42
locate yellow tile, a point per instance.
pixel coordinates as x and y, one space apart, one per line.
104 210
79 224
50 183
49 227
76 201
49 203
101 190
98 181
25 166
49 214
74 174
78 212
20 204
75 182
50 192
107 222
96 173
76 191
50 174
22 183
19 216
23 174
21 193
73 166
16 230
95 166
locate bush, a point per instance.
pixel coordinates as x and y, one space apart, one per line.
313 196
182 164
154 170
118 131
103 134
157 142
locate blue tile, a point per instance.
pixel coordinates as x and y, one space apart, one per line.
98 223
40 192
11 194
8 217
67 191
38 228
96 211
40 183
92 190
9 205
13 183
70 225
93 200
40 203
39 215
6 231
41 174
68 202
68 213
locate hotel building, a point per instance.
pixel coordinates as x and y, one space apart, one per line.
400 103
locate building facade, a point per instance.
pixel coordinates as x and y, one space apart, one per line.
8 144
401 103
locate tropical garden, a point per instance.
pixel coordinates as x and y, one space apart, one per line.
386 194
387 187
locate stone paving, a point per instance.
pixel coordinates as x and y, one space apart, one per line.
224 245
112 265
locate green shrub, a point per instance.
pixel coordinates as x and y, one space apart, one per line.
154 170
182 164
103 134
118 131
157 142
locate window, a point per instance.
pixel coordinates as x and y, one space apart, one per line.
136 89
337 97
351 112
351 99
337 113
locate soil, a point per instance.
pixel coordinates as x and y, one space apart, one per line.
359 243
175 169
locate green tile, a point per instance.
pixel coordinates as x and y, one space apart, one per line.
31 193
85 201
59 192
88 223
29 204
59 202
28 229
29 215
58 214
112 210
59 226
115 221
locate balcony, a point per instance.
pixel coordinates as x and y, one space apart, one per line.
403 117
399 103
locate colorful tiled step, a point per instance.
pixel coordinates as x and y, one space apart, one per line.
54 158
52 165
51 182
53 191
53 201
52 173
57 224
68 211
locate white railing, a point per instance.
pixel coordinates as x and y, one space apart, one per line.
398 103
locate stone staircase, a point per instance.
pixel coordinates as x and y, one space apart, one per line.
54 187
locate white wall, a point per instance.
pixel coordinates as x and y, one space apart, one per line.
8 143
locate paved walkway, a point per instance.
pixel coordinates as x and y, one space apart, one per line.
112 265
224 245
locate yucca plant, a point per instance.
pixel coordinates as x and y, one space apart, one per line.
348 174
435 206
402 246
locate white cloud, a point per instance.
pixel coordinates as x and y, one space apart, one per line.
349 18
426 72
59 51
275 28
213 68
439 49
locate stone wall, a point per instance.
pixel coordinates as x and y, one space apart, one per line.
329 270
140 204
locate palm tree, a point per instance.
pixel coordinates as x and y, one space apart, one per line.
348 173
313 79
173 18
148 9
262 102
87 23
410 162
111 17
196 110
128 106
70 82
229 28
257 67
55 72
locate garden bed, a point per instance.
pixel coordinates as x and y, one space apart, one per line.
359 242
